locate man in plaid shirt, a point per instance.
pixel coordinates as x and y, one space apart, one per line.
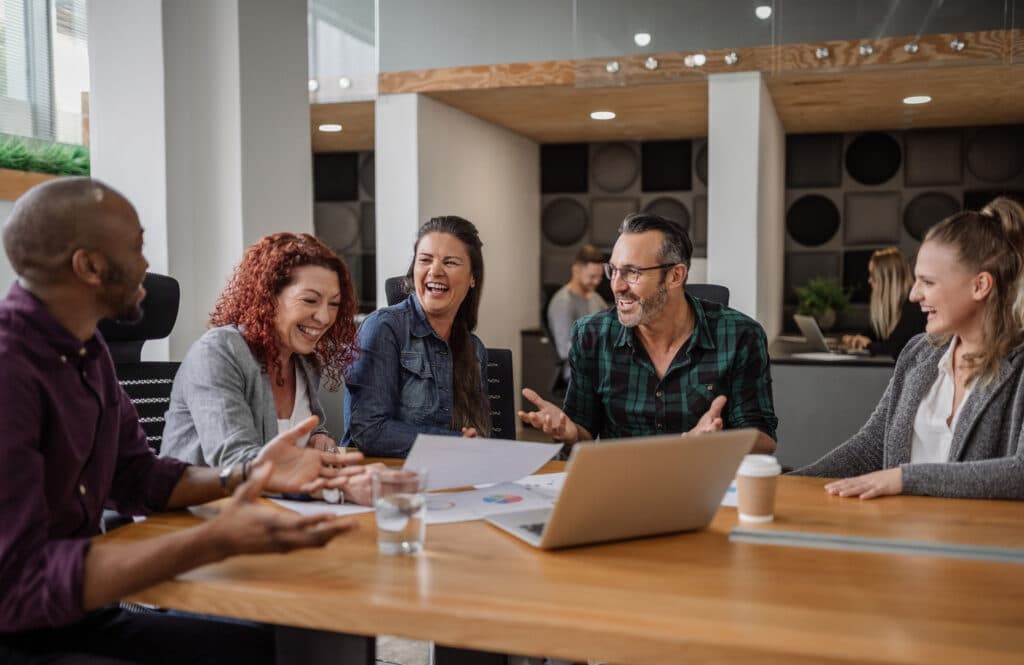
662 361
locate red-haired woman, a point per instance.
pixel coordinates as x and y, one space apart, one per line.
284 321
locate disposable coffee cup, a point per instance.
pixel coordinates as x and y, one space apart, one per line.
755 488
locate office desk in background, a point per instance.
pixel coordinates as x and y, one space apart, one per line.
684 598
821 403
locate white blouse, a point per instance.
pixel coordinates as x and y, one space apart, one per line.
932 436
300 410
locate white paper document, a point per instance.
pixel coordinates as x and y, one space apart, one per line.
453 461
446 507
317 507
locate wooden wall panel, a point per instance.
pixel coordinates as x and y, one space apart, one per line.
357 121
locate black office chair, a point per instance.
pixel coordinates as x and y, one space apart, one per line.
148 384
500 395
715 293
499 373
396 290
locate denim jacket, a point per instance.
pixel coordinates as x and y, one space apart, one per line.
401 382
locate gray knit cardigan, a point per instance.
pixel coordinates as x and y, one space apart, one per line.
986 456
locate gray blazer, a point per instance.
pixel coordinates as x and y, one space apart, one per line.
222 407
986 456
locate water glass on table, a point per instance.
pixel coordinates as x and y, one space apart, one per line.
400 505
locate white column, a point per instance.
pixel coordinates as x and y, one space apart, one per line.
746 174
200 115
397 183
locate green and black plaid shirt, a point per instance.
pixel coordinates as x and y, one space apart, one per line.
615 392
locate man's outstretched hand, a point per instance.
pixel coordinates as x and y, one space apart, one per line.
306 469
550 419
711 421
247 526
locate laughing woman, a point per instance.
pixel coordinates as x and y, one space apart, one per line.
420 367
284 321
951 423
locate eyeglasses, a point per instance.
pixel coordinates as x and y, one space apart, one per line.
630 274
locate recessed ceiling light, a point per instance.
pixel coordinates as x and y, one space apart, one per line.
344 83
642 38
917 99
314 85
330 127
602 115
763 12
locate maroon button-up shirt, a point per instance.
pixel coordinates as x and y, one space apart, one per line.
70 443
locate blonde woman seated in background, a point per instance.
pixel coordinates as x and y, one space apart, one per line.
894 318
950 422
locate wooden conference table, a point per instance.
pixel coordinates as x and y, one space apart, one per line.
686 598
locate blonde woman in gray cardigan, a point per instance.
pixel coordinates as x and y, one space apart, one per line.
951 421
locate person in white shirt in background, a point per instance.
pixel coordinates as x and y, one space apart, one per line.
575 300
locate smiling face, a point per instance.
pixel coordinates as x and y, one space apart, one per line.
306 309
950 293
442 274
125 266
641 303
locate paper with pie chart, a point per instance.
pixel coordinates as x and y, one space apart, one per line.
446 507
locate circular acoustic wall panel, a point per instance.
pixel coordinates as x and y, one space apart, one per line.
873 158
812 220
994 154
615 167
670 208
564 221
337 225
702 164
366 175
926 210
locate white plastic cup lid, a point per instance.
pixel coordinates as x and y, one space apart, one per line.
759 466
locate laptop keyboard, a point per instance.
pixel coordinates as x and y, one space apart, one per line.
535 529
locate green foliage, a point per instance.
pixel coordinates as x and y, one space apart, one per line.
819 295
22 154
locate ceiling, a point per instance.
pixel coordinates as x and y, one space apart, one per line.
551 102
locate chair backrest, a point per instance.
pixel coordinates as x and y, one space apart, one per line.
500 393
394 289
715 293
159 312
148 385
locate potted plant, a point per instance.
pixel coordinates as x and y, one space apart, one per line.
822 298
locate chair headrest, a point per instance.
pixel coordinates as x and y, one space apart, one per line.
159 312
395 289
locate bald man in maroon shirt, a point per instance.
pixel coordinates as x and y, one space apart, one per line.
71 443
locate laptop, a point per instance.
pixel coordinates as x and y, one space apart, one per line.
819 346
629 488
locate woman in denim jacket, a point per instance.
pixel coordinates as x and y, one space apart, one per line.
420 367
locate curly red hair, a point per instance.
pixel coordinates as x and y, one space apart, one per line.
249 301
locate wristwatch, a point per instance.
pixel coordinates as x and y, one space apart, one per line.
225 479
